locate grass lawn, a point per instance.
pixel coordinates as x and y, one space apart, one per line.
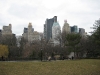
66 67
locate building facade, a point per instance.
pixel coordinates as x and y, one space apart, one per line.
6 35
18 39
66 27
56 33
74 29
82 32
48 28
7 30
30 35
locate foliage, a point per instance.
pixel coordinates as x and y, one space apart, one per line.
96 33
73 40
14 51
96 38
64 38
33 55
4 51
9 40
22 44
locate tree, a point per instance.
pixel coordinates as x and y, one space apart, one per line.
9 40
91 47
64 34
96 33
4 51
96 36
14 51
73 40
22 42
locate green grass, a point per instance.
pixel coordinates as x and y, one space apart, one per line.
66 67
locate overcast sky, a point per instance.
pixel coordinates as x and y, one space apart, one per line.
19 13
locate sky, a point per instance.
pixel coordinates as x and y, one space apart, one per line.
19 13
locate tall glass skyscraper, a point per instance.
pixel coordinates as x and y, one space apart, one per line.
48 27
74 29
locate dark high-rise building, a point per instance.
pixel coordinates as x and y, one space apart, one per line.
82 31
26 30
74 29
48 27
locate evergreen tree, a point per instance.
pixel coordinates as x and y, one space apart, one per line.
96 36
73 40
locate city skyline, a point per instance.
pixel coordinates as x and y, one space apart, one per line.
20 13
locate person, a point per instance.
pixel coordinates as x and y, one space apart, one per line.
63 58
49 58
2 58
72 57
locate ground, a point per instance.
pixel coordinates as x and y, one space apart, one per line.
66 67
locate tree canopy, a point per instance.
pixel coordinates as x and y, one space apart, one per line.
73 40
96 36
4 51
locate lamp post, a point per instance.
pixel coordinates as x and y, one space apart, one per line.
41 54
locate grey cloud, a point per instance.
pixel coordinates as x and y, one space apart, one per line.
4 20
23 11
92 4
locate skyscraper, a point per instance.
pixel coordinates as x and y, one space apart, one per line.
48 28
74 29
30 35
66 27
7 30
82 32
56 33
